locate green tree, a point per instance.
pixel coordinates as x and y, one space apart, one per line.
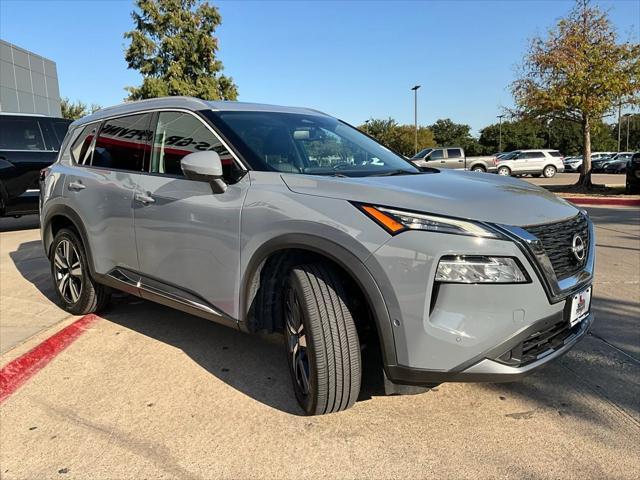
516 135
450 134
400 138
174 49
76 110
578 73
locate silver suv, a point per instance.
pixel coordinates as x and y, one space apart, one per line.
279 219
531 162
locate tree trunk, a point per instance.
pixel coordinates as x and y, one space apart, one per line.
585 169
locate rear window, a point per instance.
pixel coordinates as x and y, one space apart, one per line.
454 153
555 154
122 142
20 134
81 148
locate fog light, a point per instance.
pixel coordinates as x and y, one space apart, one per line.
476 269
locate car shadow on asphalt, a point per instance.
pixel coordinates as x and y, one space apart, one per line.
252 364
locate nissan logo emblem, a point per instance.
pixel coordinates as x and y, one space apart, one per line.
577 247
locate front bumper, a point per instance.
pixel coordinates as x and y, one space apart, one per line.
460 332
488 367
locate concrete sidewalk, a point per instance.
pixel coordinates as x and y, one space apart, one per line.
149 392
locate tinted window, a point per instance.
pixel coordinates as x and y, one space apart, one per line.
20 134
531 155
421 153
80 150
178 134
436 155
454 153
555 154
122 142
60 128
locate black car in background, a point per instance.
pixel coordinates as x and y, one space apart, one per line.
28 143
633 174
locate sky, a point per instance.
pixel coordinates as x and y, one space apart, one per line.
355 60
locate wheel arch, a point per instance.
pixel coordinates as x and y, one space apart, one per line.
343 258
57 217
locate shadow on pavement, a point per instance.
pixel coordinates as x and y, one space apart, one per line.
252 364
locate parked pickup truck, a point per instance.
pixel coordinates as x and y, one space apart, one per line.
453 157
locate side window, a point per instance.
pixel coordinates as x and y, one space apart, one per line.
122 143
18 133
178 134
81 148
454 153
60 128
437 155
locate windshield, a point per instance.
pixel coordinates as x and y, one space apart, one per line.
309 144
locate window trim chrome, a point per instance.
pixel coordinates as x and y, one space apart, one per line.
101 121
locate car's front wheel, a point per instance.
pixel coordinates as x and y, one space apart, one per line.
504 171
77 292
549 171
321 340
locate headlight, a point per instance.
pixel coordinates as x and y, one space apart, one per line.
396 221
477 269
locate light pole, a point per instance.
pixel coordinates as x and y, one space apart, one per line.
628 116
366 126
619 125
500 134
415 114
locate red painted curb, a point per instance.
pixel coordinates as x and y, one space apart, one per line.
626 202
18 371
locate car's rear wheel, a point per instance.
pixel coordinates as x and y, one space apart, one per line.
77 292
478 169
549 171
504 171
323 349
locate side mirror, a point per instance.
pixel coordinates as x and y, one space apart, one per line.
204 167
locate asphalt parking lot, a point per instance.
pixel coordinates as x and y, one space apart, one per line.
148 392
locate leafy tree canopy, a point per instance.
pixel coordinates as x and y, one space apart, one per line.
76 110
400 138
174 49
578 72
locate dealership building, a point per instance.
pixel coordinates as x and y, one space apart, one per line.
28 82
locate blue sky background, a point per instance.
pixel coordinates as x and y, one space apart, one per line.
355 60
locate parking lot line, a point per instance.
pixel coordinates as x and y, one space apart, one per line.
18 371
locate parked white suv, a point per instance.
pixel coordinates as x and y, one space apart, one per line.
532 162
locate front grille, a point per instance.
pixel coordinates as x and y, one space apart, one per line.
557 240
539 344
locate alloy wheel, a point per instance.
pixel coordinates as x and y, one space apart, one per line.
68 271
297 341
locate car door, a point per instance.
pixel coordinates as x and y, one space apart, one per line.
536 161
24 151
101 186
436 159
188 238
455 158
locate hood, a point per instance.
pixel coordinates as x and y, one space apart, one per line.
469 195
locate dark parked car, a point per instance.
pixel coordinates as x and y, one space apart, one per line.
598 166
616 166
28 143
633 174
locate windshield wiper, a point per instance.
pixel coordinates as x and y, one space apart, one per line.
393 173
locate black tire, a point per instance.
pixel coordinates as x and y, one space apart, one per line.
316 310
478 169
91 296
504 171
536 175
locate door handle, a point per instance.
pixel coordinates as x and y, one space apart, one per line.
459 161
144 199
443 161
76 186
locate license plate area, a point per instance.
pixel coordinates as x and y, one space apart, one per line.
578 306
